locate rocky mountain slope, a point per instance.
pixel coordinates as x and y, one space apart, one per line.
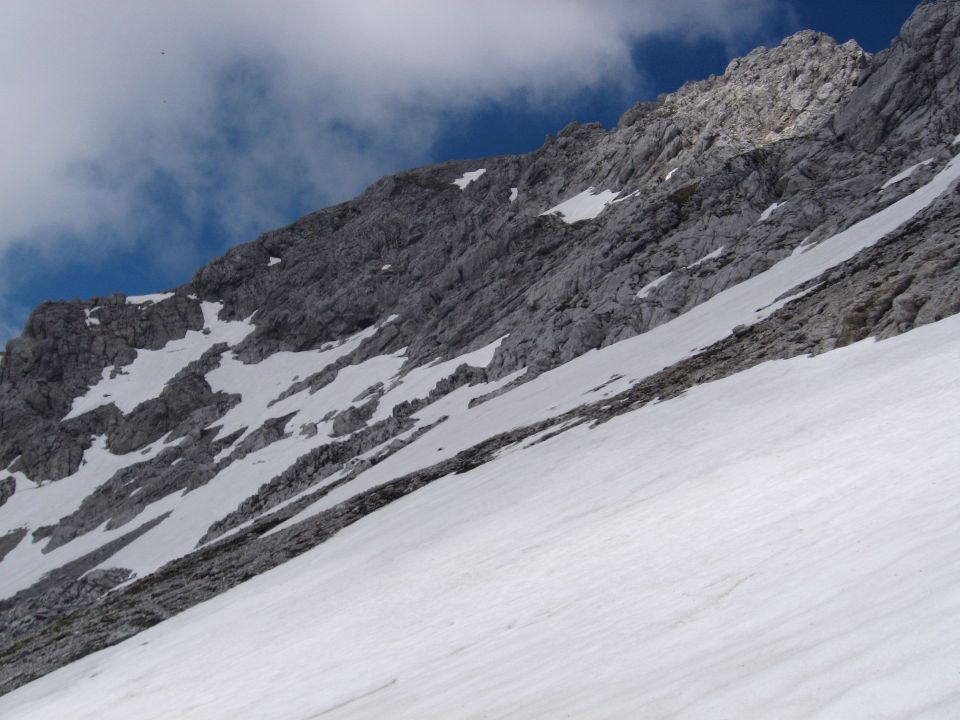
160 450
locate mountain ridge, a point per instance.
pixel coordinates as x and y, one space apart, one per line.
474 269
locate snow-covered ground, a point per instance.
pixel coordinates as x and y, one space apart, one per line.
778 544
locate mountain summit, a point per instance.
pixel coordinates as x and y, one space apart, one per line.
656 421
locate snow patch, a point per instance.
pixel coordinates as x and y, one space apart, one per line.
514 193
260 384
35 505
585 206
625 197
648 289
956 140
418 383
201 507
765 215
468 177
152 298
455 404
91 321
273 261
906 173
386 267
707 258
242 478
670 175
144 378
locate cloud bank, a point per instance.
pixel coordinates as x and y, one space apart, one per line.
141 123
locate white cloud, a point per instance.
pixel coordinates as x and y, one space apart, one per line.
230 105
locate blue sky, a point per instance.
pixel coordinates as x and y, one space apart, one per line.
143 139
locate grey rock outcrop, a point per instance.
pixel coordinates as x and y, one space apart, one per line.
910 95
8 486
769 95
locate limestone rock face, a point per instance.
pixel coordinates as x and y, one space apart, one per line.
919 73
229 405
768 95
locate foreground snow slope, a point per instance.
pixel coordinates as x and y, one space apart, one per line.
778 544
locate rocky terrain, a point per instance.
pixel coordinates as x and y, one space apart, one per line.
160 450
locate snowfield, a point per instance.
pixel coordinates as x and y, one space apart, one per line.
777 544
